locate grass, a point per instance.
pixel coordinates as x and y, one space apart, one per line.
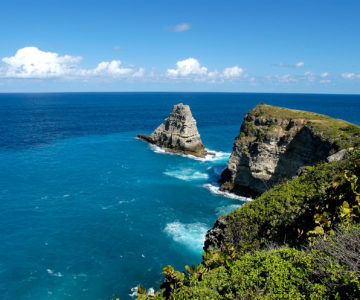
338 131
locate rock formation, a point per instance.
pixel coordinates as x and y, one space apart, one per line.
178 133
274 143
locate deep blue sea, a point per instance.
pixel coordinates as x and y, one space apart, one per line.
87 211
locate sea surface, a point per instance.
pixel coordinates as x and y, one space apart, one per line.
87 211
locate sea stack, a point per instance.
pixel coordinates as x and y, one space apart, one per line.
275 143
178 133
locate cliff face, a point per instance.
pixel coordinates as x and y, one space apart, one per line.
274 143
178 133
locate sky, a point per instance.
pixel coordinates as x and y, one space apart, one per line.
285 46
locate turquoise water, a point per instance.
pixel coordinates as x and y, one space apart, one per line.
87 211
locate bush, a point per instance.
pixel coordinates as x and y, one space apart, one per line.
285 273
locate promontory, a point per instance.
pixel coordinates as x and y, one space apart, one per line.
178 133
275 143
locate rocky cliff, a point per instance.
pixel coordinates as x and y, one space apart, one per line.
274 143
178 133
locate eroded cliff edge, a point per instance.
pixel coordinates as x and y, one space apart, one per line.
274 143
178 133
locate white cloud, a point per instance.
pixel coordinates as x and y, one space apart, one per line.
213 75
117 48
350 75
324 75
285 78
324 81
233 72
299 64
112 69
30 62
180 27
187 67
309 76
191 69
140 73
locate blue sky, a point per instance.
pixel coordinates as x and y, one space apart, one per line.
172 45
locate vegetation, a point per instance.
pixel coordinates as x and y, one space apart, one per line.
285 214
299 240
340 132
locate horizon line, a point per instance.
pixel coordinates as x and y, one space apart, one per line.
173 92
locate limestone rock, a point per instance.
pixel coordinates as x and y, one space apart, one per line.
339 155
274 143
178 133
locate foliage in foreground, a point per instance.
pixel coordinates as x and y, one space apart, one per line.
285 273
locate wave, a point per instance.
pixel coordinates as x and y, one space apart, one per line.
52 273
187 174
218 155
191 235
215 190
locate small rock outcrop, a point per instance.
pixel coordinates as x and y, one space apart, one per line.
216 237
178 133
339 155
274 143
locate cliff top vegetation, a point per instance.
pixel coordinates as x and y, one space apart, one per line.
340 132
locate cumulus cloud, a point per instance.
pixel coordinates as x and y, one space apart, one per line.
324 75
180 27
106 68
187 67
30 62
350 75
300 64
233 72
140 73
191 68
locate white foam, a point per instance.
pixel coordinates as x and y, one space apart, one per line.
126 201
104 207
151 292
217 155
215 190
187 174
134 290
191 235
52 273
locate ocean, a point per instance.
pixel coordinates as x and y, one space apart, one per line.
87 211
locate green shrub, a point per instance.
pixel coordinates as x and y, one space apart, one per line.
285 273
